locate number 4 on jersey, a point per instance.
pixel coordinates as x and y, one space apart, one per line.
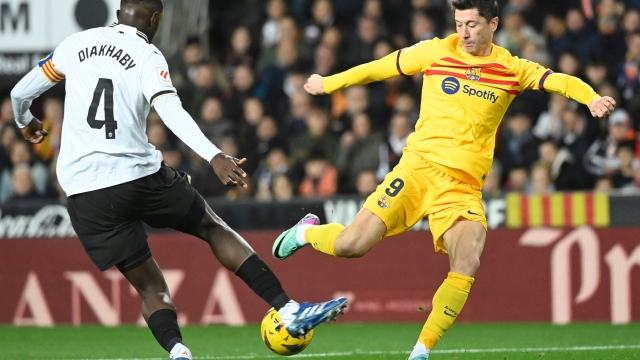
106 86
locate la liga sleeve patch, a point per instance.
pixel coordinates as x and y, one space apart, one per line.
163 76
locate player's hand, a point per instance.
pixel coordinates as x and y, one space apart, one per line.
314 85
602 107
228 170
34 132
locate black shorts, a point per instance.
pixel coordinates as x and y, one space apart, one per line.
109 221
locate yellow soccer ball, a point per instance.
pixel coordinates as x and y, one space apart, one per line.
277 339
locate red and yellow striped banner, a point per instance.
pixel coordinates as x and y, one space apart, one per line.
558 210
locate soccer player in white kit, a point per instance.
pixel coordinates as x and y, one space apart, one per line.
115 180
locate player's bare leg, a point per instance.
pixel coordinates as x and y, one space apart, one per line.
157 308
355 240
464 242
235 254
227 245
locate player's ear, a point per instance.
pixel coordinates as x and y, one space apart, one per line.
494 24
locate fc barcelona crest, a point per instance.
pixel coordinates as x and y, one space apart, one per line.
384 202
473 74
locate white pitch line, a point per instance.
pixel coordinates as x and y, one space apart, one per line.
449 351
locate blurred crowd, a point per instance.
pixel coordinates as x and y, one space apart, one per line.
247 97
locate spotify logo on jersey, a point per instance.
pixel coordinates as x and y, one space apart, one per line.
450 85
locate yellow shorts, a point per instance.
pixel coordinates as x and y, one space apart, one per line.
416 188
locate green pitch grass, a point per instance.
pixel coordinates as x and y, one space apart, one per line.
332 342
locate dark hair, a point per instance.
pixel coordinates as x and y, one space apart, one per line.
155 5
488 9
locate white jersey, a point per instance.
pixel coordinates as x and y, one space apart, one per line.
113 77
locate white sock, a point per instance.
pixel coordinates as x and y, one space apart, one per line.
419 349
300 234
288 312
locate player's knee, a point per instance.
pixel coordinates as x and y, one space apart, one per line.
353 246
467 265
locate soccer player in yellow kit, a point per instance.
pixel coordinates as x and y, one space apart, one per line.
468 86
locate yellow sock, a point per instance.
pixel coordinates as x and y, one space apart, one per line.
323 237
447 304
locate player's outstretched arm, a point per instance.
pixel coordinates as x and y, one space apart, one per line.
377 70
182 124
576 89
26 90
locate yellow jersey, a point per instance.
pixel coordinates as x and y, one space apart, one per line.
464 98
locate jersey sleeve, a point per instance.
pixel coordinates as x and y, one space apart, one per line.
52 66
531 75
155 77
416 58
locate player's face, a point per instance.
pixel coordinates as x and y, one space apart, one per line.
476 34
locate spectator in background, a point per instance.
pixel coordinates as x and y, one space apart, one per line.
183 64
422 27
267 138
564 171
553 29
157 133
51 122
276 11
21 155
568 63
357 101
391 150
596 73
536 53
316 137
282 188
8 138
531 11
289 33
294 81
320 176
276 163
23 187
625 177
324 63
209 81
359 151
540 180
609 15
295 121
6 111
629 78
549 124
517 180
322 17
241 50
493 185
270 89
332 38
359 47
372 9
631 22
574 133
578 37
212 121
515 33
242 87
406 105
366 182
517 148
601 159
